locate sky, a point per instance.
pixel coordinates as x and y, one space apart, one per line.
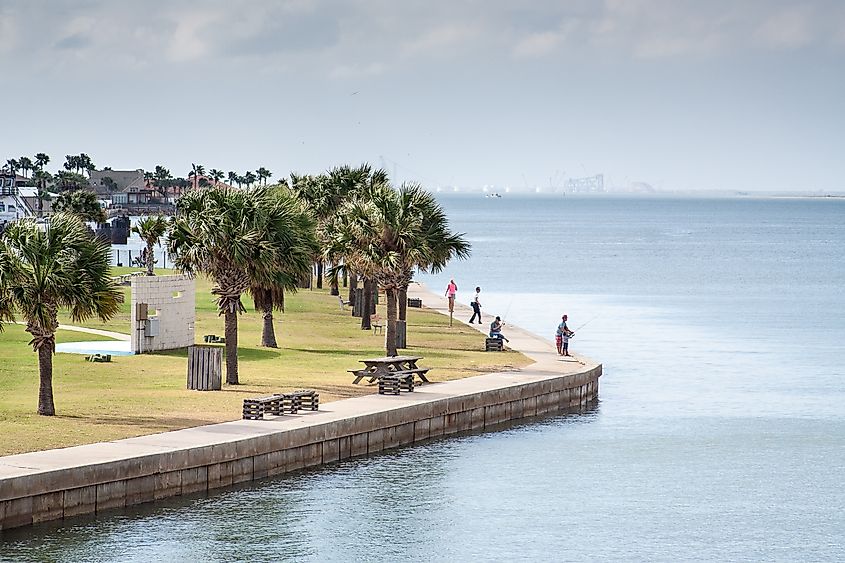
680 94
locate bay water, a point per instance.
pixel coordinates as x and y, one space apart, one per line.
719 434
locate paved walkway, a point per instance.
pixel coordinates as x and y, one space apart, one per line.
97 331
538 349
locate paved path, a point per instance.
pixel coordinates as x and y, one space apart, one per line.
97 331
538 349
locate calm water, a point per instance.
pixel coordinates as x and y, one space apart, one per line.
720 434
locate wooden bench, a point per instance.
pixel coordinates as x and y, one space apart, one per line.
255 408
302 399
360 374
414 302
419 372
494 345
395 383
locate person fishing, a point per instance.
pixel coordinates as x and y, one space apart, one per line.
496 329
562 336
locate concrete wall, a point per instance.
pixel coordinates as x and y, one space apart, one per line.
171 300
154 473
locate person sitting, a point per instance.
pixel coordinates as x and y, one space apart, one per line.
496 329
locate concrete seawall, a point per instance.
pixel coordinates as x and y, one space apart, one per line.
54 484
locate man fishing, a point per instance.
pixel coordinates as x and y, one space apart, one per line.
562 336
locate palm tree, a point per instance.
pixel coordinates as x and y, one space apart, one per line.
41 178
232 178
385 234
216 175
85 164
162 180
13 166
44 270
249 179
263 175
240 239
151 229
197 170
26 165
71 163
82 203
66 180
41 160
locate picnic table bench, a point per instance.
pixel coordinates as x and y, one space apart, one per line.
281 403
395 383
389 365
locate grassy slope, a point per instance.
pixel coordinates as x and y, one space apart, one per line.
143 394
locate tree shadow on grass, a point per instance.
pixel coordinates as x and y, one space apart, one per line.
340 352
147 422
253 354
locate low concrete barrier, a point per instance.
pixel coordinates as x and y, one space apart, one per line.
41 486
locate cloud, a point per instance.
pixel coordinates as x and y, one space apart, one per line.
538 44
331 38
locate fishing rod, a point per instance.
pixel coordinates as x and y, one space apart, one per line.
586 323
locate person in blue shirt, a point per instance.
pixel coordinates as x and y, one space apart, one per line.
496 329
562 337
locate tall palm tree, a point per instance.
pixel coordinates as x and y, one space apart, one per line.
385 233
216 175
232 178
82 203
42 271
268 297
249 178
26 165
41 178
162 179
197 170
263 175
86 164
13 166
41 160
240 239
151 229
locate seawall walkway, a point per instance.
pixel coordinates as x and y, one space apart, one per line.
55 484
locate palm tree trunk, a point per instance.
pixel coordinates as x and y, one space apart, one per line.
353 285
150 260
268 333
320 274
45 372
403 304
391 321
368 304
230 323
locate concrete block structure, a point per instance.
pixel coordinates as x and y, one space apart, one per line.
163 313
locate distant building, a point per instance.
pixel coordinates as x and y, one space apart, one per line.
12 205
590 184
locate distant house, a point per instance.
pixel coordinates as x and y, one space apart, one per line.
122 187
12 205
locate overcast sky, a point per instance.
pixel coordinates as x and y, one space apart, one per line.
696 94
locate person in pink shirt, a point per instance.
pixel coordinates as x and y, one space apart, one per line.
451 290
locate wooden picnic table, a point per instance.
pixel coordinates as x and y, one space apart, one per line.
389 365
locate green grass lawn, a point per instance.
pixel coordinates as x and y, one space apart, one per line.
144 394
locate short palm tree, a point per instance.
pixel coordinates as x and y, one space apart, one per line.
42 271
240 239
151 229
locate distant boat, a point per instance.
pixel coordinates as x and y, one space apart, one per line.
494 194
